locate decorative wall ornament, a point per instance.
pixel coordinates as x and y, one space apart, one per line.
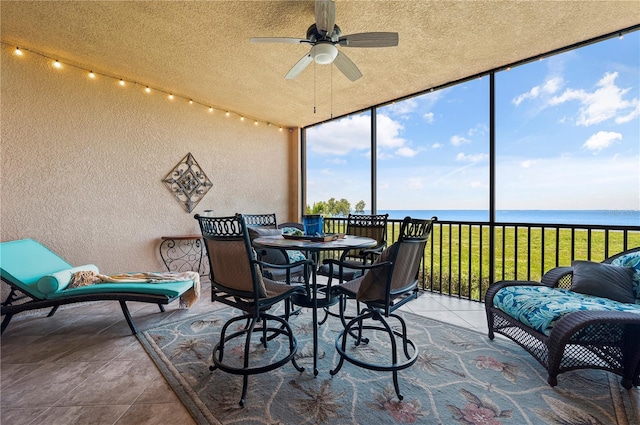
188 182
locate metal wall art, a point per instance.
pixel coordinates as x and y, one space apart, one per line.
188 182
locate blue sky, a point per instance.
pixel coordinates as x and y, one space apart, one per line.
568 137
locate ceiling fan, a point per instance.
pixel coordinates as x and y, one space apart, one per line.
324 36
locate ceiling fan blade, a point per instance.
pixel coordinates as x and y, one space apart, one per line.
277 40
347 67
370 39
299 67
325 16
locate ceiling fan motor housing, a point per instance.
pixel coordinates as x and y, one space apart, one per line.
324 53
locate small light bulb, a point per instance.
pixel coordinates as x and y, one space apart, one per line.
280 128
190 101
91 74
255 123
57 64
210 109
148 89
241 118
620 36
18 51
121 82
171 97
227 114
508 68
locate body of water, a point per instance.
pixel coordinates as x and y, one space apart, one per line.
602 217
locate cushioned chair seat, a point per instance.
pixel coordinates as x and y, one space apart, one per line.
170 289
540 307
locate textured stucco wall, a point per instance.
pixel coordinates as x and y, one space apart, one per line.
83 162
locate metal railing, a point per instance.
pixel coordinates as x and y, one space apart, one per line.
463 258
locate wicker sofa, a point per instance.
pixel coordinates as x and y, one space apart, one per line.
586 331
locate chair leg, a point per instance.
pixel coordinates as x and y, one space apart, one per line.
127 316
53 310
5 322
383 326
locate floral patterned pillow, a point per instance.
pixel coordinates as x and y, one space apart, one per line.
631 260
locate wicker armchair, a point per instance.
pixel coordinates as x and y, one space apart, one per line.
607 340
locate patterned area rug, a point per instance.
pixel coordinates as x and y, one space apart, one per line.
460 378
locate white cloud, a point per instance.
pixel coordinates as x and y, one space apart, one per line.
631 115
458 140
600 105
437 146
428 117
341 136
601 140
406 152
550 86
327 172
404 107
388 133
474 158
338 161
479 129
527 163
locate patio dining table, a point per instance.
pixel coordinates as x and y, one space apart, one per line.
314 245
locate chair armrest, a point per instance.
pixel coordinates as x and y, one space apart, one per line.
495 287
364 267
558 277
283 266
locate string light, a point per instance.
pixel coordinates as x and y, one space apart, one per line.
122 81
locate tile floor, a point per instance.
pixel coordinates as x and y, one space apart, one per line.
83 366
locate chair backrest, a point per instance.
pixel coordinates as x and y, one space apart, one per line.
23 262
405 257
372 226
231 257
414 234
261 220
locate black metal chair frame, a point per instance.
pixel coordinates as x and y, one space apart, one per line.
412 231
351 261
269 221
607 340
253 305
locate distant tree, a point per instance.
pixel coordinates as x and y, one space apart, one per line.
359 209
330 208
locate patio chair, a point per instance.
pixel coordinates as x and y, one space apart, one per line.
389 283
370 226
42 278
236 280
267 225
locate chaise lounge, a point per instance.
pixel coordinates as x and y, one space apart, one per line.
584 316
43 278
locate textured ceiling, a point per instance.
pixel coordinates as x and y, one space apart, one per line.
201 49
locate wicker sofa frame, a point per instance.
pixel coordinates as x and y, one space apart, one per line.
580 340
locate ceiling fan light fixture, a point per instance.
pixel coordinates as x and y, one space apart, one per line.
324 53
